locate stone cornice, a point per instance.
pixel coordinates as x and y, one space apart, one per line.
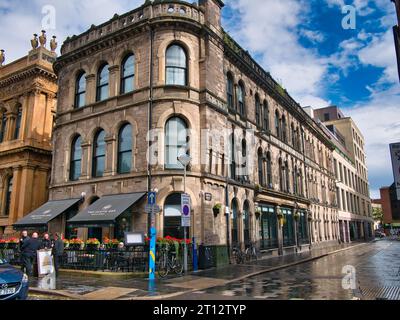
27 73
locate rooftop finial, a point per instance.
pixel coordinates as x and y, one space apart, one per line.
43 39
53 44
2 57
34 41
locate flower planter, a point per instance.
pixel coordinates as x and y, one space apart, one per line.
92 247
12 245
3 246
74 247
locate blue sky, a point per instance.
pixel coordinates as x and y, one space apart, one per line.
301 42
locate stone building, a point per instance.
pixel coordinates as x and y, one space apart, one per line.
28 89
261 169
349 161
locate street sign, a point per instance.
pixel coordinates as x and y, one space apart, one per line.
152 209
185 210
152 198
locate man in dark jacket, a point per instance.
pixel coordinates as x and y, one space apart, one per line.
46 242
58 251
24 237
29 251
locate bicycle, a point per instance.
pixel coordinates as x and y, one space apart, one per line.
238 255
168 261
251 252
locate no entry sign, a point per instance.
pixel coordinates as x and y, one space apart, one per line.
185 210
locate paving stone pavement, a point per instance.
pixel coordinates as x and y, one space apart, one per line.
96 288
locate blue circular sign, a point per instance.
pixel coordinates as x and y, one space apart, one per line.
186 210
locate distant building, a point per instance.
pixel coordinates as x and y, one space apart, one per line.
349 162
28 89
390 207
396 33
377 204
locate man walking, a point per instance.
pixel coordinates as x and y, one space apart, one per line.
29 250
58 251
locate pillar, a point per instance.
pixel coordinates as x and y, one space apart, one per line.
280 231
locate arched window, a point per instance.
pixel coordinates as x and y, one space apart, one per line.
240 97
277 124
235 229
281 176
293 135
76 159
3 127
99 154
18 124
128 74
230 90
176 139
246 223
265 116
261 179
125 149
258 112
103 76
176 66
172 217
287 177
80 90
269 171
244 160
232 145
9 190
284 133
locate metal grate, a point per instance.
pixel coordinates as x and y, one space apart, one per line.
383 293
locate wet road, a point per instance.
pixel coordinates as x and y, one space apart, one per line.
368 272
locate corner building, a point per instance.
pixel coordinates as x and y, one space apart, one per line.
28 89
169 67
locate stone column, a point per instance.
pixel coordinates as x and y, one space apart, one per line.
110 161
90 89
85 162
14 203
10 128
114 80
25 191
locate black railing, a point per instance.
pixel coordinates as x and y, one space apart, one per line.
133 259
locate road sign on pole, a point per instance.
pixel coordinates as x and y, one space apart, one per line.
185 210
152 198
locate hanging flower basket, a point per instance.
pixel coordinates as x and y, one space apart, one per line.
217 209
297 216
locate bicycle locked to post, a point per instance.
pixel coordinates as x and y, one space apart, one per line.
241 256
169 260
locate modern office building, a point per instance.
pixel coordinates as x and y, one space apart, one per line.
352 187
396 33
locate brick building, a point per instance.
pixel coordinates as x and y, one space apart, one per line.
28 89
261 169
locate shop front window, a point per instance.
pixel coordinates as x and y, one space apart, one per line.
288 228
268 228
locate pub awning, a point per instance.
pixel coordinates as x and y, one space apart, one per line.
46 213
106 210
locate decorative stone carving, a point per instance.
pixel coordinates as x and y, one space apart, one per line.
43 39
53 44
2 57
35 41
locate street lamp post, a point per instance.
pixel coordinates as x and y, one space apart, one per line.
184 160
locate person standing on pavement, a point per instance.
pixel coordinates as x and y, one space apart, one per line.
46 242
58 251
29 251
24 237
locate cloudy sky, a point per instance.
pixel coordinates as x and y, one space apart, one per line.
301 42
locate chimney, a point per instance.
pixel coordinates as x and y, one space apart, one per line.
212 10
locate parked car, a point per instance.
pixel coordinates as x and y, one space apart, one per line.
379 234
14 283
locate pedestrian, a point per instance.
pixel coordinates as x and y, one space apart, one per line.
24 237
58 251
29 250
46 242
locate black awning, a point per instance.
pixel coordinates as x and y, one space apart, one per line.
106 210
47 212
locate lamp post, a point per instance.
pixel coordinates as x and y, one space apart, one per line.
184 160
